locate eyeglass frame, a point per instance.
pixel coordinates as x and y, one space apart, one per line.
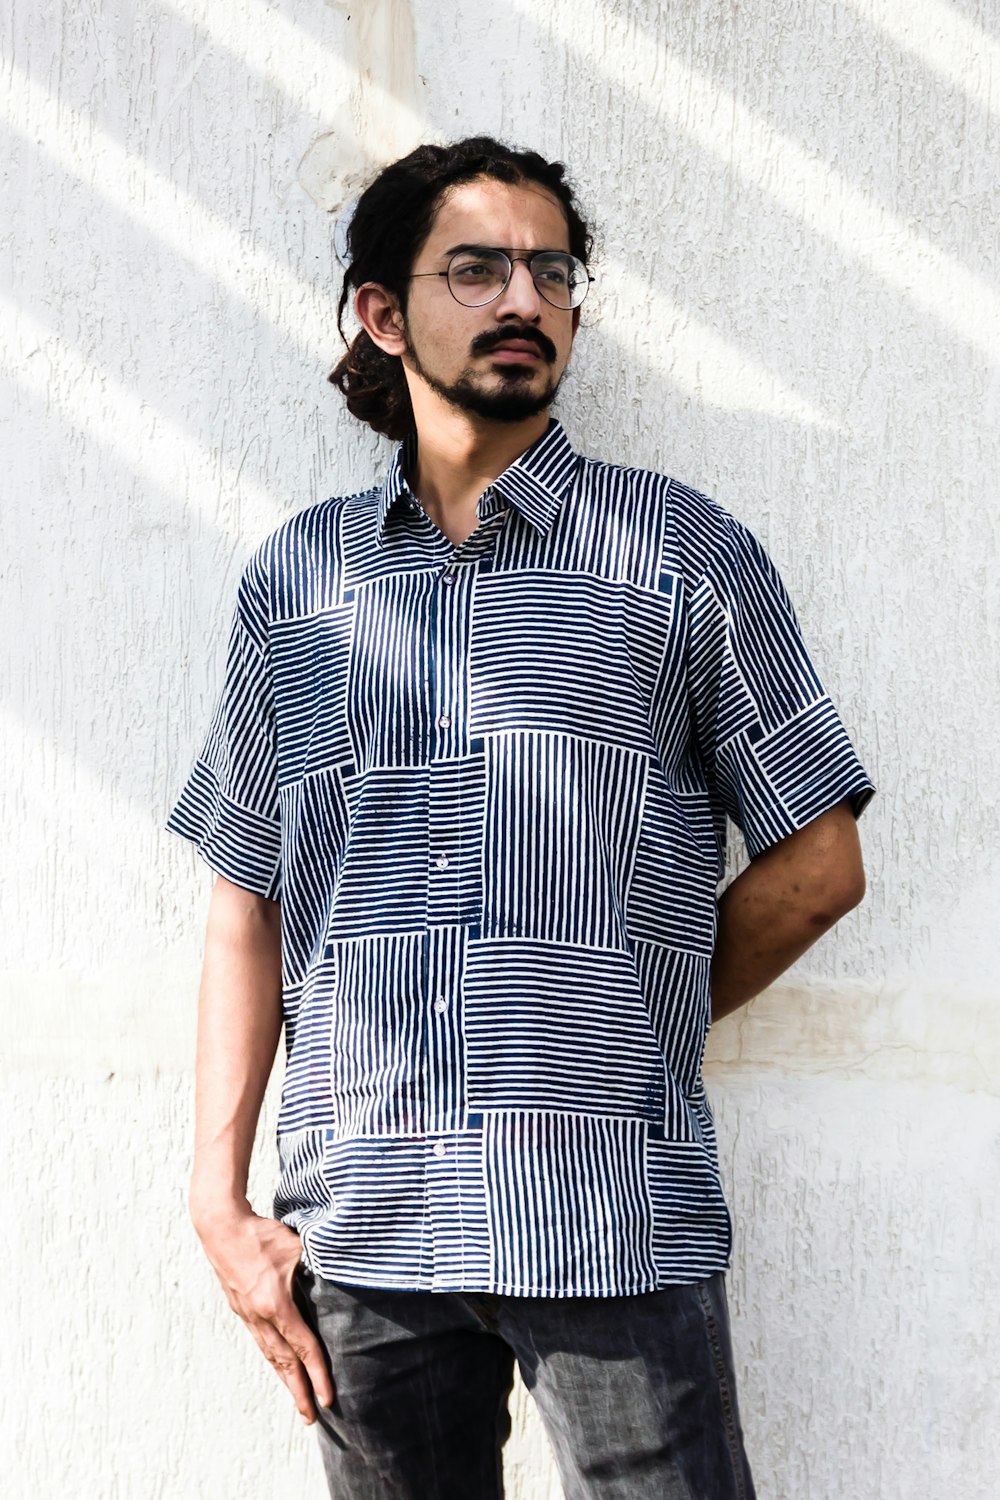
512 261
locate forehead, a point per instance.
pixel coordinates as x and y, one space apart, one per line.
522 216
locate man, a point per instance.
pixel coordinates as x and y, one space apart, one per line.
465 792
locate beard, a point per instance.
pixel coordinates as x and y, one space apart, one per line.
513 400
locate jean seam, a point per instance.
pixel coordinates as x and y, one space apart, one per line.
728 1409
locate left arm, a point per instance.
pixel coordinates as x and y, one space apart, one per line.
785 899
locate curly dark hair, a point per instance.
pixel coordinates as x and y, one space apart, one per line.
391 221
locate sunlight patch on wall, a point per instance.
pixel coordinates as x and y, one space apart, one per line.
697 359
369 90
946 42
813 191
57 376
383 119
267 42
172 216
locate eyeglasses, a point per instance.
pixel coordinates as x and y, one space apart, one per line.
477 275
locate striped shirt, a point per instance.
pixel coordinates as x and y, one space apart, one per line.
489 785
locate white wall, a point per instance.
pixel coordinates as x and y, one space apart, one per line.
798 311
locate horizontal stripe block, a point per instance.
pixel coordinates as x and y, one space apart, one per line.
548 1025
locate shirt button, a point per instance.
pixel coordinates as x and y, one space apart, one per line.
449 579
444 722
442 861
440 1004
439 1148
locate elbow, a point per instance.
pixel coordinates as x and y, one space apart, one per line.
841 893
858 888
853 883
833 866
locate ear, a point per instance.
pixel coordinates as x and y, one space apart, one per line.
379 315
576 319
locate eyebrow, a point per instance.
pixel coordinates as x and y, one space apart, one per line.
507 250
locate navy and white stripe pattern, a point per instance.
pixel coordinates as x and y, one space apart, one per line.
489 786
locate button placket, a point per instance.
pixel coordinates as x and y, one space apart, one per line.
446 650
445 657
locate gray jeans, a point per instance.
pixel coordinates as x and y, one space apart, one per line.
637 1393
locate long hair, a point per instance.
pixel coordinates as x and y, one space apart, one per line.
391 221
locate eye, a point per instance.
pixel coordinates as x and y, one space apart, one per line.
554 271
477 266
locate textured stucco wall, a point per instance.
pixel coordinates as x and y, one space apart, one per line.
797 310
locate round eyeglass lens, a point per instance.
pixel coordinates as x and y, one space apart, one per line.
561 279
477 276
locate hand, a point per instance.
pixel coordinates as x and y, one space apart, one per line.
255 1259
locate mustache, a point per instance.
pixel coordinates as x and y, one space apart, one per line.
483 343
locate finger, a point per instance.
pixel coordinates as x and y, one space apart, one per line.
288 1367
298 1332
300 1338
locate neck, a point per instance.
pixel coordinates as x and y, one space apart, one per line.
460 455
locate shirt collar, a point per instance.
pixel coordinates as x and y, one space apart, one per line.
535 484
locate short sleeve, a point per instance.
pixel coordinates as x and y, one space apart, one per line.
773 744
228 806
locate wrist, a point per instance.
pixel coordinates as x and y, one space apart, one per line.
212 1211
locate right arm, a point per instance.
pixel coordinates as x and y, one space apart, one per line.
239 1024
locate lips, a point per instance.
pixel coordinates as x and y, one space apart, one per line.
515 352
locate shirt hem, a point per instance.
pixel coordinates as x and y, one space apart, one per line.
685 1277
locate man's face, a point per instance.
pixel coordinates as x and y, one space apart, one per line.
502 361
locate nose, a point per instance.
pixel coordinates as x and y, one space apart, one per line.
520 298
